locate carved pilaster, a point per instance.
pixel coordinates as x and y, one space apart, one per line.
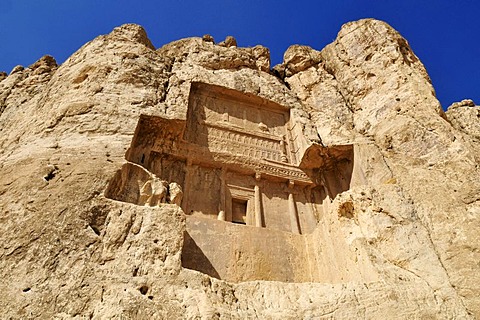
292 209
258 202
186 186
223 198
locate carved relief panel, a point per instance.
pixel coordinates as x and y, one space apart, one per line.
205 188
238 126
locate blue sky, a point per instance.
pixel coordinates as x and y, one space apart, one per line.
444 34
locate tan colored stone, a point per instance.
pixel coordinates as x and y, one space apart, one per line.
228 42
398 241
299 58
175 194
17 69
205 54
393 106
208 38
464 116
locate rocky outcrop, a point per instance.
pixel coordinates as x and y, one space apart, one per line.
464 116
298 58
393 106
225 55
23 84
405 233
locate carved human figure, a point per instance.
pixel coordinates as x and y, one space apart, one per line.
145 193
153 192
175 194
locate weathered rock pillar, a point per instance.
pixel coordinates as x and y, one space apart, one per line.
258 202
292 209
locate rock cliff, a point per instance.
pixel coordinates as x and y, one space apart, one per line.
400 242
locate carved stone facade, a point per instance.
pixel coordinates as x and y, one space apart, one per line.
240 159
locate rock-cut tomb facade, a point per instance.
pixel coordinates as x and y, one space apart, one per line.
252 185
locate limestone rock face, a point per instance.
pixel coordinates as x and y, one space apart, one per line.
464 116
299 58
399 241
3 75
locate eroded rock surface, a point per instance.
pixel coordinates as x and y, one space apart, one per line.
465 116
400 242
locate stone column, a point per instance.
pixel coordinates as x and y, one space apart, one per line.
258 202
223 200
186 186
292 209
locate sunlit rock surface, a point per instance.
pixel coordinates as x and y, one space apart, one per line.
90 229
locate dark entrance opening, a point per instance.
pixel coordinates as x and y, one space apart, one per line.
239 211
